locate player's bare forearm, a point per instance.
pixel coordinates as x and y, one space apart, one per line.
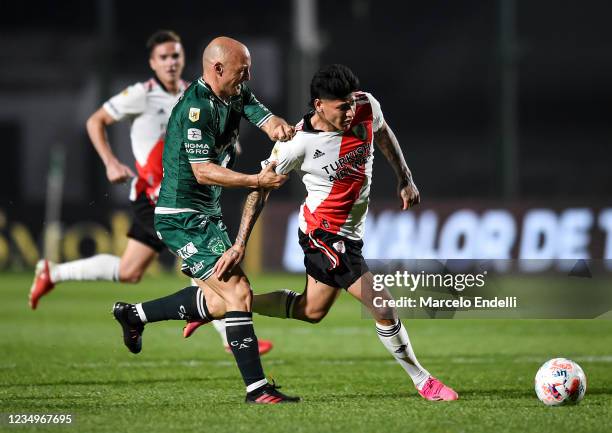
253 206
116 172
208 173
96 129
387 142
407 191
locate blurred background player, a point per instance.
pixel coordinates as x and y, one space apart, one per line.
333 150
147 105
198 158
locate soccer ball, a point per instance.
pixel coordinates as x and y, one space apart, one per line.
560 381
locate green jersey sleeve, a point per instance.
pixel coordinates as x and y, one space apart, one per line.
198 133
253 110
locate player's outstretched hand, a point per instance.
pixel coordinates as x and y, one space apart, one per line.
278 129
228 260
117 172
408 194
268 179
283 132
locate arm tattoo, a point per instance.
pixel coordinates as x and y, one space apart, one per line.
388 144
253 206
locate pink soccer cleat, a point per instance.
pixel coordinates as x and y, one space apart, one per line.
42 283
434 390
191 327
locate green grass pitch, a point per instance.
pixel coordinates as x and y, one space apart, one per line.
68 357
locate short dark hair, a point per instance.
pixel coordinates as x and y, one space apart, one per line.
333 82
161 37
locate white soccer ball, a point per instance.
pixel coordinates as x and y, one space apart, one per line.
560 381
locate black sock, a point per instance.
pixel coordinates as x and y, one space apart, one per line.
243 342
186 304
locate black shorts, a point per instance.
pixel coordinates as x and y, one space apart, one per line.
142 228
332 259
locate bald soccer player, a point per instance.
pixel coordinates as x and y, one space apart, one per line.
147 106
198 157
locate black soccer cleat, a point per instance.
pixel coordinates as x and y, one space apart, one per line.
269 394
132 332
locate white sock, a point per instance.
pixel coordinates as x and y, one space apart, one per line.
140 312
99 267
220 327
275 304
395 339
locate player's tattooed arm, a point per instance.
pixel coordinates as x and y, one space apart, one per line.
406 188
254 204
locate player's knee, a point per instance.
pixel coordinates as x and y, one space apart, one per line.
215 304
314 315
130 275
241 297
237 297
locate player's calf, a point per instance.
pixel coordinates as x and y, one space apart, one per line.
396 341
264 346
186 304
287 304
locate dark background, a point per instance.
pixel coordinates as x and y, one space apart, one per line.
436 67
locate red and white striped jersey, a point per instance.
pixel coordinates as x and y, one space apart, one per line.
336 168
148 106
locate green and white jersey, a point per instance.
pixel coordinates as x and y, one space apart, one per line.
202 128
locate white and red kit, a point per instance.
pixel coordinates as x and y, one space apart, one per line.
336 168
148 106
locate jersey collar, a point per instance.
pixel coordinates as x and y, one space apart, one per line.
308 125
181 87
